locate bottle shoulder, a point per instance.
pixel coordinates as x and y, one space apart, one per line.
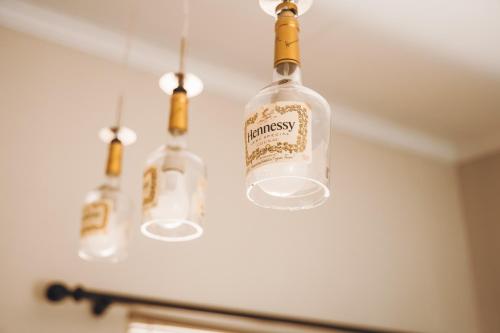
106 192
168 154
287 91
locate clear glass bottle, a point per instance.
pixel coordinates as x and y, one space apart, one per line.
107 215
174 183
287 131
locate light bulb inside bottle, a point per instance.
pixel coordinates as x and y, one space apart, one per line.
102 245
282 179
105 221
171 197
173 202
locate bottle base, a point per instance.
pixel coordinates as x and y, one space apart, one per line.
114 258
277 193
171 230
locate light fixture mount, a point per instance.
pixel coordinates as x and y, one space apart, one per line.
270 6
124 134
170 81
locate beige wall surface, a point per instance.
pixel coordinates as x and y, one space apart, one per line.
481 196
388 249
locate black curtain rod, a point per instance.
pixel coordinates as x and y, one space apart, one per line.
100 301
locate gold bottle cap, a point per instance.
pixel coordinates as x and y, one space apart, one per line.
124 134
178 122
115 153
286 45
116 137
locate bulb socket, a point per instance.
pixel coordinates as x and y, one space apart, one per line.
115 153
287 5
178 122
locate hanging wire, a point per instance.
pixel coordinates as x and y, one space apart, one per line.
184 35
119 111
125 60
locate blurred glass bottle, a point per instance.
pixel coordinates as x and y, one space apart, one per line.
174 181
107 213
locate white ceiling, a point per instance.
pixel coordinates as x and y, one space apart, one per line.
428 67
463 31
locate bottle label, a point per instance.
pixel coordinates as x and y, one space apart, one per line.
95 217
149 188
278 132
198 199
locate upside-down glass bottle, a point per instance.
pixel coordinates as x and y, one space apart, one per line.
287 127
107 213
174 181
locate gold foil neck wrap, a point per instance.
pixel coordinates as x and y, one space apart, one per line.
286 45
114 165
178 122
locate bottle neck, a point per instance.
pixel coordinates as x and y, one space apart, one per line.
114 162
287 72
177 141
112 182
286 45
178 120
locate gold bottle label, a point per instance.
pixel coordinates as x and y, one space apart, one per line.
149 188
95 217
198 198
278 132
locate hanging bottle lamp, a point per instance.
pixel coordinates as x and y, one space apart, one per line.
174 182
107 213
287 126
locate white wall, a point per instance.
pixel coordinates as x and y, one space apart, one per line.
387 250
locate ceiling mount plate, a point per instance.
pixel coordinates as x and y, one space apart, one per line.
193 85
269 6
124 134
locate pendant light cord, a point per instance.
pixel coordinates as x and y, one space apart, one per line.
182 55
119 111
125 60
184 37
